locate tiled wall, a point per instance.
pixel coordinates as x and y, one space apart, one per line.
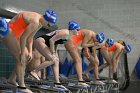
7 62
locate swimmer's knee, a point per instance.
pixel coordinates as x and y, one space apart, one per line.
56 62
52 62
40 39
96 63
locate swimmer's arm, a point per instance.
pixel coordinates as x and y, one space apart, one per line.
87 45
117 53
28 31
118 57
106 55
85 42
29 45
30 42
52 42
96 47
42 59
57 52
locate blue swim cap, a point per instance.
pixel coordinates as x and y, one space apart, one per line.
110 41
4 26
73 25
128 48
50 16
100 37
103 35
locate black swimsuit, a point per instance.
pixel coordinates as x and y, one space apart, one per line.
90 49
47 37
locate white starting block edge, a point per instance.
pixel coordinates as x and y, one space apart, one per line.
93 89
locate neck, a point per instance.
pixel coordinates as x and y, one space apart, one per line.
42 20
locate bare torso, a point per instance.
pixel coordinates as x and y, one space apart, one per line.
28 16
88 33
119 50
62 33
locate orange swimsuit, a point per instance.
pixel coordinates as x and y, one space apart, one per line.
103 47
18 26
110 49
77 38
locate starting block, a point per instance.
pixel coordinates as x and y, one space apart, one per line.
48 87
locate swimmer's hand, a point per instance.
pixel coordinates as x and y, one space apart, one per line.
86 52
30 56
22 58
98 44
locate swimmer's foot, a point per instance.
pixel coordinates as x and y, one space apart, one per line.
34 75
12 82
24 89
